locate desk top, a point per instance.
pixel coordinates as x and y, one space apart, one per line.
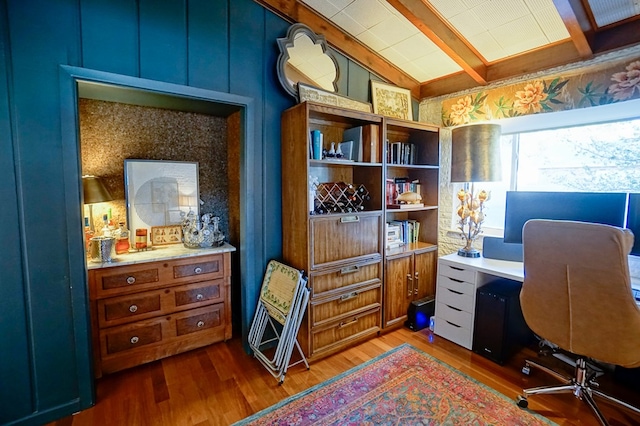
514 270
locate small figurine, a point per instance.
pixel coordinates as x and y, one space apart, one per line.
409 197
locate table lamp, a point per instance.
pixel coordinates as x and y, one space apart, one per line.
94 192
475 157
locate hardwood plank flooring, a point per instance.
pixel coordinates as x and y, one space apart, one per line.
221 384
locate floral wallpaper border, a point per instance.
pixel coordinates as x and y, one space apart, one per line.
615 83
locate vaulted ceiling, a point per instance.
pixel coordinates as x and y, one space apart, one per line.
435 47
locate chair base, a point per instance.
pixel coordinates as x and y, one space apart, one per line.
582 385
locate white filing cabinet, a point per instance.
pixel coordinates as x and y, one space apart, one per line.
456 285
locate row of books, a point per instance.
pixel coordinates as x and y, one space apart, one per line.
402 232
401 153
396 186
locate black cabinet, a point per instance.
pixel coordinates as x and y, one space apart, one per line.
499 328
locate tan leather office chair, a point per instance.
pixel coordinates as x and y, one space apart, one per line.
577 295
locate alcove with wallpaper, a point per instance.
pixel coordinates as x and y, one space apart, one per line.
116 122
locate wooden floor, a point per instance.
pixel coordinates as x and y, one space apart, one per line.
221 384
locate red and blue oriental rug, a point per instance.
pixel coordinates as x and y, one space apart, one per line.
404 386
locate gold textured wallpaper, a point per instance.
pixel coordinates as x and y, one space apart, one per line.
111 132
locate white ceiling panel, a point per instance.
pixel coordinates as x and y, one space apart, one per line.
394 30
348 24
551 24
324 7
467 24
492 14
372 41
368 13
449 8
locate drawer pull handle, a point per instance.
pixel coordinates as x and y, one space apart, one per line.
131 280
197 270
133 308
417 285
200 324
199 296
455 292
349 296
347 324
349 270
457 269
409 285
134 340
349 219
456 281
454 308
455 325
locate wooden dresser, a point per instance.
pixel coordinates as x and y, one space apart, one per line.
150 305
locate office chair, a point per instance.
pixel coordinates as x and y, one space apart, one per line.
577 295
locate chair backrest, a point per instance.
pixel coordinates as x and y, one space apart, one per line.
577 291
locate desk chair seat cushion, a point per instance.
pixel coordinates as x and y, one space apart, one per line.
577 290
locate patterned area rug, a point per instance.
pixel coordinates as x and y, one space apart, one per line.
404 386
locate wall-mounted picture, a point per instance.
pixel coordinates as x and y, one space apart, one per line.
159 191
391 101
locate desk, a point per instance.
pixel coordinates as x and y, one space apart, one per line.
458 280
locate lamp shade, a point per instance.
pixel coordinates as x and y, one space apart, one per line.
94 190
475 153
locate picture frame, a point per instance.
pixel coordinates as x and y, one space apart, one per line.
158 192
163 235
314 94
391 101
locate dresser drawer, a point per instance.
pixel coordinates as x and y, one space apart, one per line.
453 332
208 268
347 304
456 272
334 335
110 280
131 337
339 278
119 310
344 238
456 316
199 320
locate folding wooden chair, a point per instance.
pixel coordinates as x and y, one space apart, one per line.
283 298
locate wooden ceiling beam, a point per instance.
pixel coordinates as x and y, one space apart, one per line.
295 11
429 22
560 54
571 21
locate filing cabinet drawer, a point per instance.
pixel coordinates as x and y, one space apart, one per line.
342 238
349 303
339 278
456 272
333 336
456 316
458 295
455 333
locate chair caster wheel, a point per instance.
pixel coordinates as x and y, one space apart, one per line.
522 401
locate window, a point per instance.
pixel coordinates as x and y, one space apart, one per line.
596 157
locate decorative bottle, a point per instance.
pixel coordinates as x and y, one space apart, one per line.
122 243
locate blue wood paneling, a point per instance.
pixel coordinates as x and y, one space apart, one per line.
110 36
358 86
343 73
163 40
209 44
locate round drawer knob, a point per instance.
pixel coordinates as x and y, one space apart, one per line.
198 270
133 308
131 280
200 324
134 340
199 296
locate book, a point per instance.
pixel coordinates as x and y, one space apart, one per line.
405 206
354 135
370 143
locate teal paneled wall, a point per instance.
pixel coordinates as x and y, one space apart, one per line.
227 46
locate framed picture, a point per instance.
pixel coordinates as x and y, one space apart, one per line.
170 234
158 192
391 101
313 94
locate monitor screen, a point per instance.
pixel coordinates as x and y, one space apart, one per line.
597 207
633 221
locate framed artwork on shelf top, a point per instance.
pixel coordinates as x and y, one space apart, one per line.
391 101
157 192
314 94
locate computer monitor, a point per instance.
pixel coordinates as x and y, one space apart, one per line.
597 207
633 221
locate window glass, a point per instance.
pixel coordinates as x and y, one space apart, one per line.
598 157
